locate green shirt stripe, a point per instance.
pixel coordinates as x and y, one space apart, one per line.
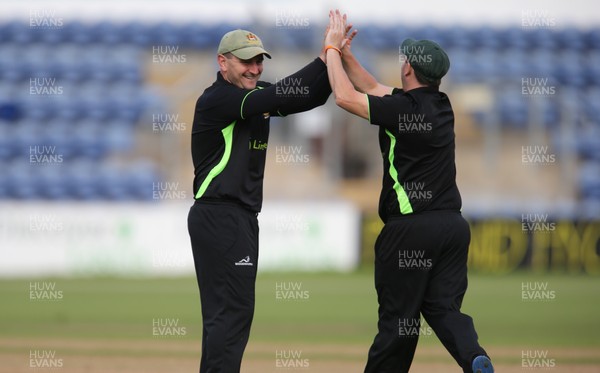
403 201
228 138
244 100
242 105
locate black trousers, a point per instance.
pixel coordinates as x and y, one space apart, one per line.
421 268
225 247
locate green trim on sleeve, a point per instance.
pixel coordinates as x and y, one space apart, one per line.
242 105
244 100
368 108
228 138
403 201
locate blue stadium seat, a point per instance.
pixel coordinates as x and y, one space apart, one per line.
39 107
589 209
397 33
6 147
13 67
21 180
460 37
486 66
88 141
126 109
79 33
376 36
69 109
592 67
461 67
593 38
10 111
67 64
512 109
9 72
140 178
589 180
20 33
118 136
81 180
195 35
541 63
430 32
572 40
126 102
588 143
52 36
592 104
150 100
550 112
107 33
113 182
112 64
26 135
138 33
4 182
487 38
76 70
514 38
217 31
51 182
544 39
100 70
8 92
4 36
571 72
59 133
123 64
128 71
97 108
167 33
514 63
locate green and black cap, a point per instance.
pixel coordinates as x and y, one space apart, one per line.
426 57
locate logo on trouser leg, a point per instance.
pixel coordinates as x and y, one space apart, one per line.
245 262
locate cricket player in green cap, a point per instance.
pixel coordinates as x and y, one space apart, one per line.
421 252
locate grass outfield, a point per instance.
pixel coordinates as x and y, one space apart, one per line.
329 308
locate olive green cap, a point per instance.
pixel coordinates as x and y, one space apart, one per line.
242 44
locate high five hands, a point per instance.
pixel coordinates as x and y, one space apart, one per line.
336 33
337 29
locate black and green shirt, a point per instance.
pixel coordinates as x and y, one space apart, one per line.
230 132
416 136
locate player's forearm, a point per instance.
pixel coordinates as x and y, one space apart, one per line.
361 79
312 96
286 94
309 90
345 95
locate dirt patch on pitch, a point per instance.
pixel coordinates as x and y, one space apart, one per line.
172 355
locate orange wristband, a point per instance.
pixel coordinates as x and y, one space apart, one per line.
334 48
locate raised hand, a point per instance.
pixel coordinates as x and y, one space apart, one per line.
337 29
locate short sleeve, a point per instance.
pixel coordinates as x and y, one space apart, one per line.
384 111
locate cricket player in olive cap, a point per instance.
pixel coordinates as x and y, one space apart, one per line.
230 137
421 252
